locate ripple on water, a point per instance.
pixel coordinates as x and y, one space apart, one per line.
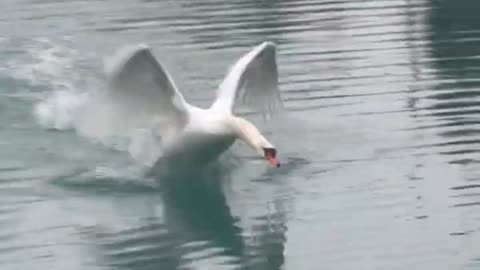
381 151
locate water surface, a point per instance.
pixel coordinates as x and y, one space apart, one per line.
379 139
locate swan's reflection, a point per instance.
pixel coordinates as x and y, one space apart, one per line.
194 227
196 208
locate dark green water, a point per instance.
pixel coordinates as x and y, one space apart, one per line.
380 139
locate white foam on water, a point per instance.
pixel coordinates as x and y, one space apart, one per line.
91 115
82 104
43 62
59 110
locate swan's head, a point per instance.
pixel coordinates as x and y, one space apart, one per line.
264 149
270 154
248 133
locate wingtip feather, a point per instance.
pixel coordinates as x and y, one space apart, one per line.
114 63
269 44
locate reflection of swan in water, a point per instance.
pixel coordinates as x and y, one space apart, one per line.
195 225
143 94
195 220
197 209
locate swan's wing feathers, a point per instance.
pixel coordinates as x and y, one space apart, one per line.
140 78
252 81
141 88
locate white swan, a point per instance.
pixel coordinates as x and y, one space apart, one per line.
144 91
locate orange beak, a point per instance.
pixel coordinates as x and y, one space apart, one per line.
274 162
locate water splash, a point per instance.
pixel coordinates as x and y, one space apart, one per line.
91 116
43 63
59 110
74 98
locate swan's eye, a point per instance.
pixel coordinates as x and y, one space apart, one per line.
271 156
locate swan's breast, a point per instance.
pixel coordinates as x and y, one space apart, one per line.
196 149
191 151
205 137
207 146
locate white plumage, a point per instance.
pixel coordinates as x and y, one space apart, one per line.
143 93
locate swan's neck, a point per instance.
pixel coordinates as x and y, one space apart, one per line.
248 133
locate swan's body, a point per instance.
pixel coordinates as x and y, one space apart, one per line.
144 93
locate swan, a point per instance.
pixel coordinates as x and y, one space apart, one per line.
145 92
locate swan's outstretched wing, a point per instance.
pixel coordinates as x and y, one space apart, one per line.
141 89
253 80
